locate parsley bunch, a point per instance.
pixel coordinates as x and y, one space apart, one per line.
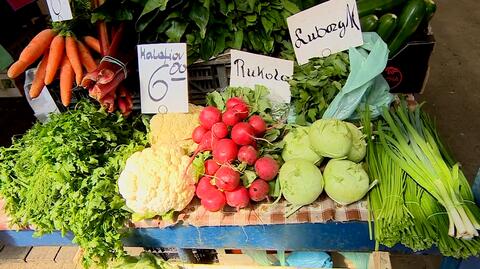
62 175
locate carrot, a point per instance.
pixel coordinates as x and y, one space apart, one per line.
86 57
54 59
92 42
16 69
66 82
31 52
39 80
74 58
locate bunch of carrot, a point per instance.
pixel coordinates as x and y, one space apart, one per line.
60 51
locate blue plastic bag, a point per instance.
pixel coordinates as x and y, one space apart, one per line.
310 259
365 85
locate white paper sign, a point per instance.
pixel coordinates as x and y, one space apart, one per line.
324 29
163 77
249 69
59 10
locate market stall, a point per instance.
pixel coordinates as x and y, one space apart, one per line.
256 125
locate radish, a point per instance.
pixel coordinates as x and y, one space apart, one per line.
198 133
230 118
258 190
209 116
225 151
238 198
211 167
234 101
220 130
227 179
266 168
204 187
241 109
207 143
242 134
258 124
247 154
214 201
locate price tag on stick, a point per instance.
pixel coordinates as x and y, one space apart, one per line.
59 10
325 29
249 69
163 77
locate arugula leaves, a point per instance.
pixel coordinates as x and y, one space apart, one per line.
62 175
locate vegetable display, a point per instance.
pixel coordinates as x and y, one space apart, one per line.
409 203
233 168
62 176
60 51
395 31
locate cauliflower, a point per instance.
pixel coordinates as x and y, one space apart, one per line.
152 181
175 127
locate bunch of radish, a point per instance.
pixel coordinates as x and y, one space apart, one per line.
232 137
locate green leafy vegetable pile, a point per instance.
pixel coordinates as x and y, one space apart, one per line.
209 27
144 261
315 84
62 175
414 170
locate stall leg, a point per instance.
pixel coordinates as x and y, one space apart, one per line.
186 255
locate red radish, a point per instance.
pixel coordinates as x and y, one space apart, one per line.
209 116
211 167
266 168
242 134
225 151
241 110
234 101
258 190
227 179
230 118
247 154
214 201
254 144
220 130
198 133
238 198
204 187
258 124
207 143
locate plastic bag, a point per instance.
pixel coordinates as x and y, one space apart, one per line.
365 85
310 259
44 104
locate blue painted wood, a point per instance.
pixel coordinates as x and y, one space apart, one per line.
450 263
25 238
331 236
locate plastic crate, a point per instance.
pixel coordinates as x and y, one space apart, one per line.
208 76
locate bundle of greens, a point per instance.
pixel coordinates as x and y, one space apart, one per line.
208 27
144 261
315 84
412 203
62 175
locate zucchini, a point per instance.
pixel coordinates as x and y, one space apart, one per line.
386 26
430 8
408 22
369 23
367 7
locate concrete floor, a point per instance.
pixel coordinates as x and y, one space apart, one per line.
453 89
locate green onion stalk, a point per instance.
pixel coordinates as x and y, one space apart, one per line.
414 148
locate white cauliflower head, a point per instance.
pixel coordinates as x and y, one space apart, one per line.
153 181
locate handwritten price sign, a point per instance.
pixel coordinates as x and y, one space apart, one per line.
249 69
163 77
59 10
325 29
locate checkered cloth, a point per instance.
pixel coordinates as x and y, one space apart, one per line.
322 210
